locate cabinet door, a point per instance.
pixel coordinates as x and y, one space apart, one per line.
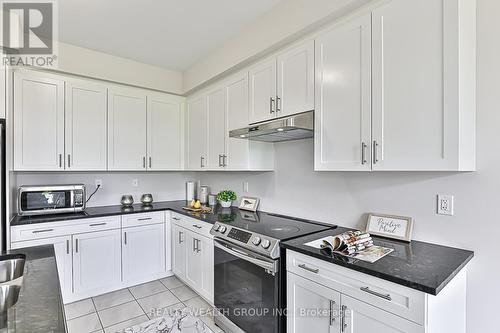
63 252
216 128
86 126
168 241
343 98
295 80
143 252
3 90
311 307
126 129
415 110
38 122
179 251
197 133
361 317
194 261
165 118
96 262
206 248
237 150
263 91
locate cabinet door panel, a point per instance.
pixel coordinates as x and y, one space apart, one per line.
343 98
206 248
96 262
165 120
263 91
296 80
143 252
38 122
127 129
311 306
415 110
361 317
197 133
179 251
86 126
194 261
216 128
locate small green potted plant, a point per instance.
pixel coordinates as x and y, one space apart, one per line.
226 198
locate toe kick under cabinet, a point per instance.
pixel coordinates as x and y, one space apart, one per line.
99 255
324 297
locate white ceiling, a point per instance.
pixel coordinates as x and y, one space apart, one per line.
172 34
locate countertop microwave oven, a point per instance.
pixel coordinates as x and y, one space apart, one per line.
51 199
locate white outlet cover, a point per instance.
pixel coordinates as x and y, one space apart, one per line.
98 182
135 182
445 204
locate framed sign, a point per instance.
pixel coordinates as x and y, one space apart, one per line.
248 203
395 227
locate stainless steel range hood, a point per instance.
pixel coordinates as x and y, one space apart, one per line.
298 126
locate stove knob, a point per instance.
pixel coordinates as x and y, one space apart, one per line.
256 241
216 227
222 229
265 243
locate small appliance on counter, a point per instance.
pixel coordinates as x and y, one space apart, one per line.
204 191
190 191
51 199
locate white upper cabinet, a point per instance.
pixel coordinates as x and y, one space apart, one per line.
262 91
343 97
216 129
424 85
126 129
85 129
197 133
165 132
295 80
38 122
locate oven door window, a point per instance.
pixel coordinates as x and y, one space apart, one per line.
245 293
53 200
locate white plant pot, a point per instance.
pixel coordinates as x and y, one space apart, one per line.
226 204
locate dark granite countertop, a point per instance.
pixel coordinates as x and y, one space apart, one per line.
417 265
39 307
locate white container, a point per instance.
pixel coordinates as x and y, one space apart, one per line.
204 191
190 189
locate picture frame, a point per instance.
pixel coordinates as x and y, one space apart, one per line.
249 203
390 226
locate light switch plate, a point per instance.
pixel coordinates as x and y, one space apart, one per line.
445 204
135 182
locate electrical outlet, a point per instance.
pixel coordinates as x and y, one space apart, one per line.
135 182
98 182
245 187
445 204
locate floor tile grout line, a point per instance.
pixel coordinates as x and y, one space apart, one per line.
97 314
113 306
120 322
135 299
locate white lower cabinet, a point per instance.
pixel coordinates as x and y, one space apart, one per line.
143 252
96 262
179 251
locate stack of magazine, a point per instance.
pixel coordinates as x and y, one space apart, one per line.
352 244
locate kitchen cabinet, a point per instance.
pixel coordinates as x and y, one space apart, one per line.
165 132
126 129
179 251
85 126
323 303
64 256
96 262
143 252
197 119
343 94
216 128
3 91
194 260
38 122
284 84
411 111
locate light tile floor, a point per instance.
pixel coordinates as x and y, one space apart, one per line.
118 310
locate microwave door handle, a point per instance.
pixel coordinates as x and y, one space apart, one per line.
270 266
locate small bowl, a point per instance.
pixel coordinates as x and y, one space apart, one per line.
127 200
147 199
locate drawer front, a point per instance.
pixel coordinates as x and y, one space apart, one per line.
194 225
394 298
63 228
135 220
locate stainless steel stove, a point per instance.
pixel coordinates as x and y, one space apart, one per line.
249 269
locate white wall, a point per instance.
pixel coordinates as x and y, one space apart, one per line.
163 186
343 198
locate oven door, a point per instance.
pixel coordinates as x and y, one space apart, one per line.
246 288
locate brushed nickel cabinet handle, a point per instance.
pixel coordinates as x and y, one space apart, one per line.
197 226
194 244
67 246
180 237
97 224
150 162
343 324
369 291
202 161
125 237
363 153
145 219
40 231
76 245
224 160
198 249
312 270
69 161
144 162
60 160
375 152
278 104
176 218
332 309
220 163
271 105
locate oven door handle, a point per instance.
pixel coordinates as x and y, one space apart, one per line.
271 266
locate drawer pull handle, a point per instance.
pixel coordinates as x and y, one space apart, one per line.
312 270
176 218
369 291
97 224
40 231
145 219
197 226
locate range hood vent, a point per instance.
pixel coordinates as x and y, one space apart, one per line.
296 127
